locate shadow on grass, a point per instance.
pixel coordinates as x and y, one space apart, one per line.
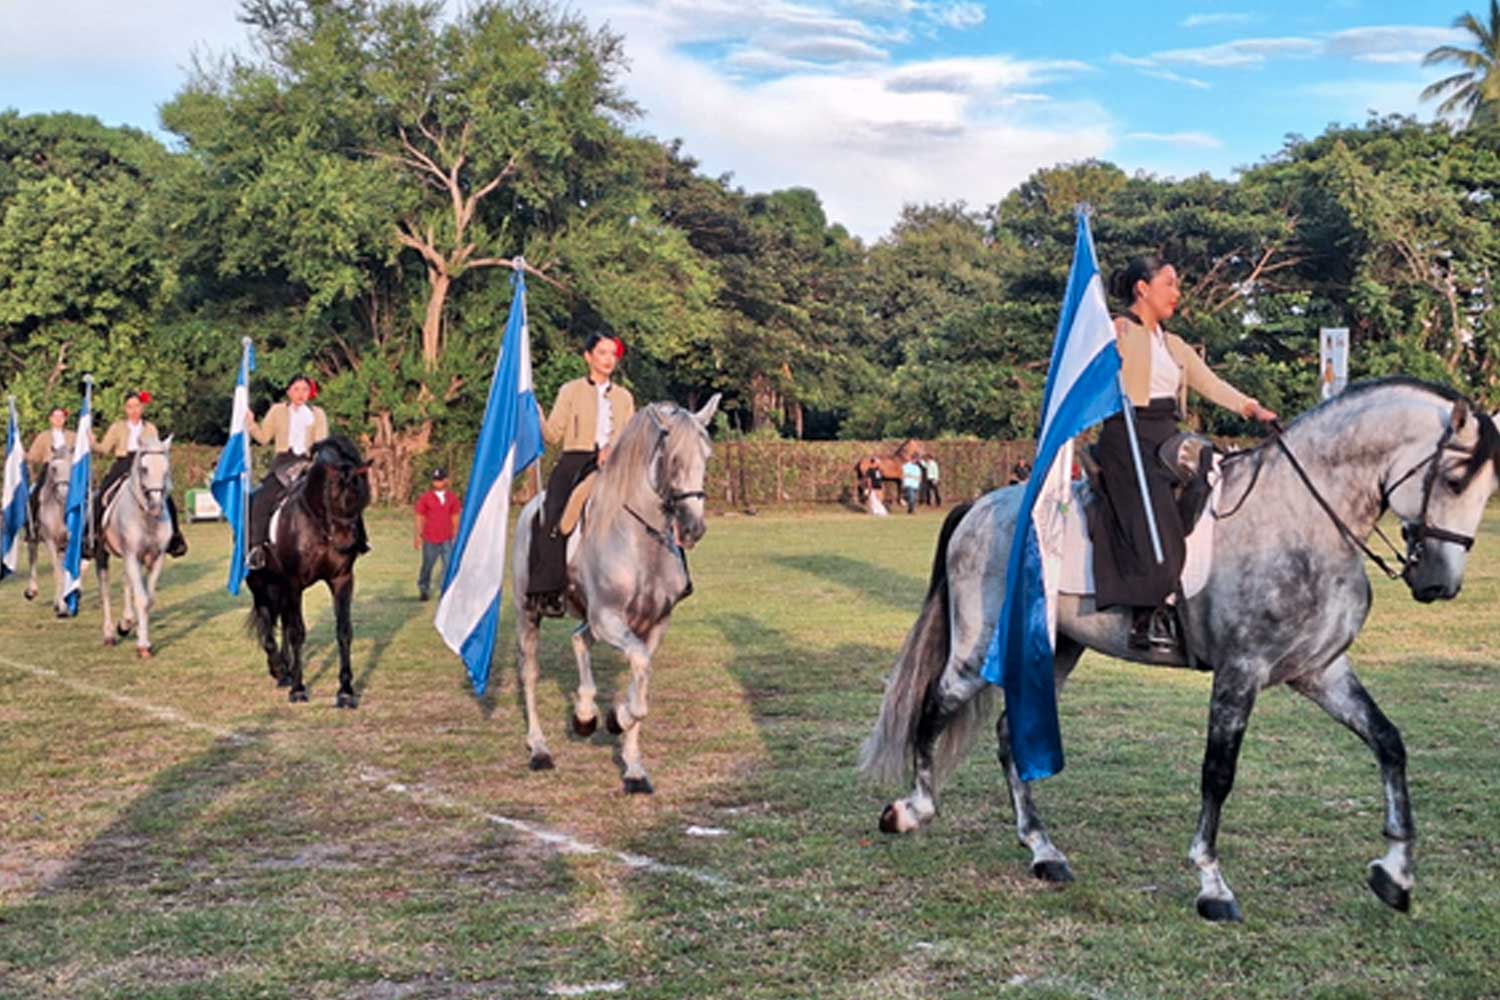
902 590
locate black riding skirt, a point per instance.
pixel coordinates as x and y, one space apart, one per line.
548 559
1125 568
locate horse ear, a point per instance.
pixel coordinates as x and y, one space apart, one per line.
1460 416
167 444
706 414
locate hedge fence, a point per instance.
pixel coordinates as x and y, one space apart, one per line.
742 475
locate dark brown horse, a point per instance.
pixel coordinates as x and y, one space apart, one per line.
316 536
890 471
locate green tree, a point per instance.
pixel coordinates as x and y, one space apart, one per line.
1476 90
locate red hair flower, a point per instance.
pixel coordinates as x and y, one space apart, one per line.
145 398
312 390
619 349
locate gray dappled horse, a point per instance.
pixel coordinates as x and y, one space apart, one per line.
1286 596
136 528
50 526
626 571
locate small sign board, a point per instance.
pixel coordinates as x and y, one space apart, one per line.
1333 360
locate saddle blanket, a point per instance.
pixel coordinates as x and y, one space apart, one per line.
1078 547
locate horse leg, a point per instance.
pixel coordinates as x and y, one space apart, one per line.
59 584
263 620
31 587
626 714
528 628
342 589
101 570
945 703
585 711
1338 692
1047 862
294 633
1229 710
135 592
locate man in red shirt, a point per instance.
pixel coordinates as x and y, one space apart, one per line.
437 524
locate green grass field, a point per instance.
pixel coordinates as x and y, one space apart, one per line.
177 829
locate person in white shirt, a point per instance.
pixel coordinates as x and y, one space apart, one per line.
122 441
293 427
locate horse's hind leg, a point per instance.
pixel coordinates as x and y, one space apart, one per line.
31 587
1339 693
1047 862
101 570
528 627
585 711
946 702
1229 710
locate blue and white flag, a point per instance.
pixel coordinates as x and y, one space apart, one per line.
14 500
1082 389
80 499
510 439
231 482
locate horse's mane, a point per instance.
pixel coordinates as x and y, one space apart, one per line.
629 463
1488 447
336 449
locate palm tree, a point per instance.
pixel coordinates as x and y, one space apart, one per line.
1476 91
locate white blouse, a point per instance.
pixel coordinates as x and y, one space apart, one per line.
1166 374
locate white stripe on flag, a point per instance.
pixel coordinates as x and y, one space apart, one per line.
477 579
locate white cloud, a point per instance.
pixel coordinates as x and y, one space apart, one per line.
1149 67
1245 52
1390 44
958 16
1180 140
105 36
866 136
1214 20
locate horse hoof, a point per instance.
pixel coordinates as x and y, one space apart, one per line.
638 786
110 640
297 695
1056 872
61 613
1390 893
283 682
540 762
890 820
122 629
145 652
612 723
585 729
30 594
347 700
1219 911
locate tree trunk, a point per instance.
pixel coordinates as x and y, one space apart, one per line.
391 453
432 323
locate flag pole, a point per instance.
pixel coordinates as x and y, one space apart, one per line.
1127 411
88 494
245 437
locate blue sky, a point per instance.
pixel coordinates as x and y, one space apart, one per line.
875 103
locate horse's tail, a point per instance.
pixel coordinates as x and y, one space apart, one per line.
888 752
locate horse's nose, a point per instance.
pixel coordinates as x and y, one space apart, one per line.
1432 592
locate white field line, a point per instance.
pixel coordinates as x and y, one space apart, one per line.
563 843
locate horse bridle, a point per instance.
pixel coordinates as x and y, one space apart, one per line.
144 493
1415 534
669 498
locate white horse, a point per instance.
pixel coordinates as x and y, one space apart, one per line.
50 525
625 573
136 527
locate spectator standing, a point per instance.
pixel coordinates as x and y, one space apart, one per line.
930 469
437 511
911 481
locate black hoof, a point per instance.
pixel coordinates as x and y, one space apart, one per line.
540 762
62 614
638 786
31 595
1390 893
1056 872
122 629
347 700
612 723
888 823
297 695
111 641
584 730
1219 911
283 682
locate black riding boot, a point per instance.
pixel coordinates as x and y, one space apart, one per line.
177 547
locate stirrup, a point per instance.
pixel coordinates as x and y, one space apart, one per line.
1156 629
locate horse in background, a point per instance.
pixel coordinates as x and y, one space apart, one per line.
135 527
1284 600
49 525
890 474
315 536
627 570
